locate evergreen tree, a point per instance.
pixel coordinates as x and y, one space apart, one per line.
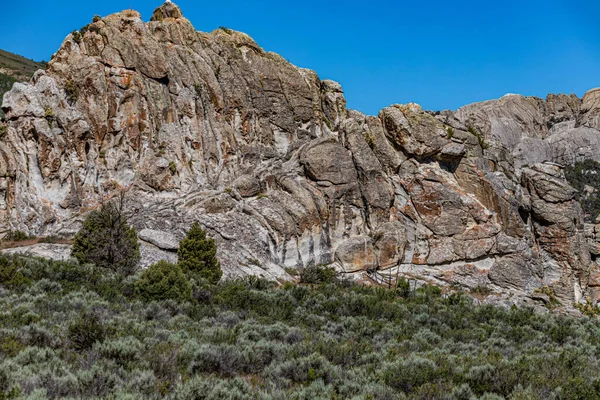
107 240
197 256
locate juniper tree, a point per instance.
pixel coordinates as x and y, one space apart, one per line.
197 256
162 281
107 240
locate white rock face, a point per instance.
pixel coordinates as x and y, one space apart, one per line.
209 127
58 252
161 239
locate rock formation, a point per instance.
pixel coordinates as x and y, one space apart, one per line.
266 156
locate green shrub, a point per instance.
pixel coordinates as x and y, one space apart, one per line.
17 236
198 90
3 130
10 277
163 281
197 256
480 138
49 115
409 374
73 334
72 91
318 274
76 36
403 288
85 331
582 174
123 350
107 240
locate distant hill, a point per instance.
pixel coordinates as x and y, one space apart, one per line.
15 68
19 67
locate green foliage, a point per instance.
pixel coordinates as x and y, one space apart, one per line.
582 174
85 331
10 277
76 36
49 115
588 308
403 288
107 240
197 256
409 373
318 274
6 83
83 30
226 30
480 138
163 281
3 130
69 334
72 91
17 236
481 289
198 90
172 167
370 139
96 18
449 132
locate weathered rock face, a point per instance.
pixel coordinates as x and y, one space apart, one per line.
265 155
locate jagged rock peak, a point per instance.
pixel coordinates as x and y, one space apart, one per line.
209 127
167 10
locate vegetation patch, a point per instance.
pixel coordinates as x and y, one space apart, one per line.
318 274
172 167
107 240
76 36
585 177
71 330
72 91
198 256
163 281
480 138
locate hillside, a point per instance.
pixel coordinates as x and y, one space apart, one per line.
266 156
19 67
73 331
14 68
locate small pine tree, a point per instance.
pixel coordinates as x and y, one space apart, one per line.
197 256
162 281
107 240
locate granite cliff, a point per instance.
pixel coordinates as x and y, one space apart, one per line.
266 156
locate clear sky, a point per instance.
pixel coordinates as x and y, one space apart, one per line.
440 54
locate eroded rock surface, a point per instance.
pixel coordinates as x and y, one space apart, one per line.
265 155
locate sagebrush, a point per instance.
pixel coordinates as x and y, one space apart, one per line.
81 331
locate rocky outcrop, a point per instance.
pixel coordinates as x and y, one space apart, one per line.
209 127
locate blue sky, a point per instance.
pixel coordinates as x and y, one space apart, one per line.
440 54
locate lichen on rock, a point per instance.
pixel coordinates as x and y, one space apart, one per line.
265 155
